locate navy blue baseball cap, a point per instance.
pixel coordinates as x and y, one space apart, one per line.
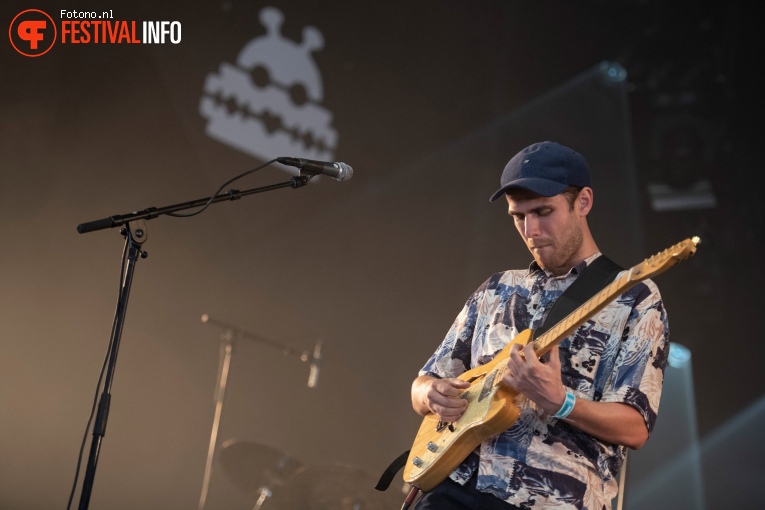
545 168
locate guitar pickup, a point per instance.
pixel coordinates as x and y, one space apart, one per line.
488 385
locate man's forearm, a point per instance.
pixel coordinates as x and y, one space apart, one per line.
613 422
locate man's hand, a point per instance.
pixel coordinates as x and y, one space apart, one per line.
440 397
540 382
614 422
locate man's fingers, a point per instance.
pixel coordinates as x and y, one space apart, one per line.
450 409
451 387
458 383
454 411
444 394
449 415
517 362
554 360
448 400
530 354
518 354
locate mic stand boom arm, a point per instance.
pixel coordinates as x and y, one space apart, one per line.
150 213
135 235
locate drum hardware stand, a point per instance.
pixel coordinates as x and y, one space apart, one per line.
265 492
223 370
225 362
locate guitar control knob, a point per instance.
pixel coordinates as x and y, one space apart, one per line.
433 447
418 462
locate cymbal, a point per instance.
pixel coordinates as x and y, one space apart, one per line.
252 466
335 487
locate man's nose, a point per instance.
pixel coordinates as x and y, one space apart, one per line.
530 227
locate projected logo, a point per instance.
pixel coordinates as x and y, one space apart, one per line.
269 103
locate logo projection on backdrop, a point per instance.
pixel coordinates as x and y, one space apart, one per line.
268 105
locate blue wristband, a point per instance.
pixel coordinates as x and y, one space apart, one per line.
568 405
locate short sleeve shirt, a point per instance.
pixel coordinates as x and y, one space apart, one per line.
619 355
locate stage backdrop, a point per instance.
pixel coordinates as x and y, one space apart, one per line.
150 105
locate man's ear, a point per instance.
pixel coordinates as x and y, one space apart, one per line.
584 201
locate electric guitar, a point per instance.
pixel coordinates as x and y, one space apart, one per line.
440 447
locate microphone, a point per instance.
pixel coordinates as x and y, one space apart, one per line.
339 171
313 375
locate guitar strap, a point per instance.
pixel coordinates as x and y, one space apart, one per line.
599 273
390 471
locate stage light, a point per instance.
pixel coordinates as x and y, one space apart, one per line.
679 355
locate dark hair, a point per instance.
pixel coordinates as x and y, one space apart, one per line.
571 193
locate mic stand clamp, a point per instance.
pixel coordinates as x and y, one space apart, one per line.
298 181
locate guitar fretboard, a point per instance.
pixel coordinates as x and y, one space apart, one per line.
589 308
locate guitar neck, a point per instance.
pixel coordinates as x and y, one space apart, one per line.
589 308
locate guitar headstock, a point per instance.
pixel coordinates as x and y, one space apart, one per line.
662 261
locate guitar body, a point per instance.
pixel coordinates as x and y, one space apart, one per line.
439 448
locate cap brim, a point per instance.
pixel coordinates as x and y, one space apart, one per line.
541 187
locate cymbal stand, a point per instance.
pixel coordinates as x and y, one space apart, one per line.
265 492
230 333
227 348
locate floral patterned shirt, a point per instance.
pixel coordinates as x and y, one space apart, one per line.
619 355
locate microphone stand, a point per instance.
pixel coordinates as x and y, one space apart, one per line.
135 235
223 369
